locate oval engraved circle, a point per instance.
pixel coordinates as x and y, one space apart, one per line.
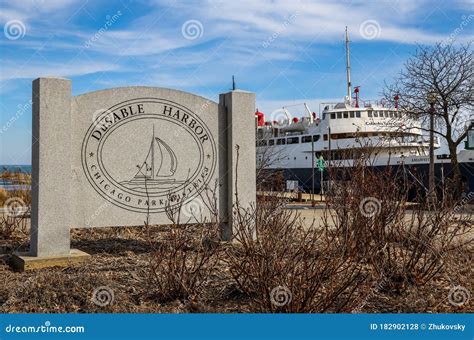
147 154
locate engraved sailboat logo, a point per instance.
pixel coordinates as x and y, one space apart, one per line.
157 170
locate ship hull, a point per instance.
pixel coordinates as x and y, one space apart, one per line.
443 171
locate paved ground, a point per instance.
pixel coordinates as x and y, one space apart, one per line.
315 214
293 195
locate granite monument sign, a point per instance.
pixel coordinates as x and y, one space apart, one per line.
119 156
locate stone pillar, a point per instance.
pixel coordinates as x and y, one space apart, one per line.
239 132
51 165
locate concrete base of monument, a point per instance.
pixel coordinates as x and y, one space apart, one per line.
25 262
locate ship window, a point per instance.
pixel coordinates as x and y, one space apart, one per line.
271 142
346 114
293 140
325 137
352 114
376 114
386 114
333 116
339 115
369 113
281 141
358 114
307 139
391 114
262 143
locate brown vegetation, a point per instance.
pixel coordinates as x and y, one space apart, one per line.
285 266
16 204
405 244
357 258
183 261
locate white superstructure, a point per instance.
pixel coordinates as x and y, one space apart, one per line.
344 129
342 132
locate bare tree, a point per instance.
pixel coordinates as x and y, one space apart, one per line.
267 156
446 71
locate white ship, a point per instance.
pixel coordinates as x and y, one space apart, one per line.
342 131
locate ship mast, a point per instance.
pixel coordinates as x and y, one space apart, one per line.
348 64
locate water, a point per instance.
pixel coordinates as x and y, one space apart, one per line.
9 185
16 168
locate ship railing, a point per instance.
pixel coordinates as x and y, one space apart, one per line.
404 140
362 104
377 103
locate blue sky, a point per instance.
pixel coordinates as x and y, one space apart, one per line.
284 51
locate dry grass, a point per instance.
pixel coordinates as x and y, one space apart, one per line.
121 259
16 178
389 262
16 203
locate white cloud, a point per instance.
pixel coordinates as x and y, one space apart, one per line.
314 20
133 43
26 10
37 69
11 14
237 35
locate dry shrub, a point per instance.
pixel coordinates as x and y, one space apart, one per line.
15 178
368 244
365 202
284 267
15 219
18 176
182 261
3 196
373 223
13 227
419 246
179 265
16 204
